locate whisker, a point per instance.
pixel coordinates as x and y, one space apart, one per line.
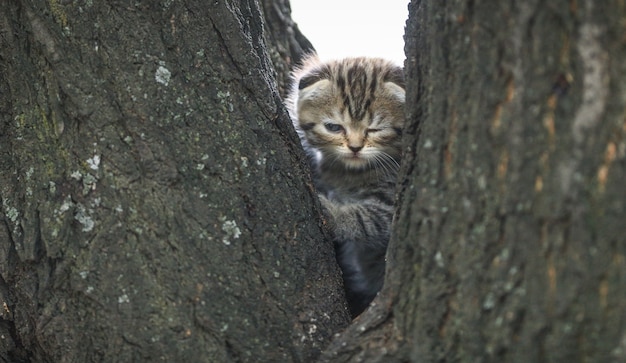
382 165
393 164
390 158
373 164
388 165
334 159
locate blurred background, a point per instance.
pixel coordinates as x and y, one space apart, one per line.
344 28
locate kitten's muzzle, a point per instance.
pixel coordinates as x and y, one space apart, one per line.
355 149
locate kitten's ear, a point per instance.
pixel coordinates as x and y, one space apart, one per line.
313 76
396 75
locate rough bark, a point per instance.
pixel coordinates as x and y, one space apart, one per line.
286 44
153 203
509 241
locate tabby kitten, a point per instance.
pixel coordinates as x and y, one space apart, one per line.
349 115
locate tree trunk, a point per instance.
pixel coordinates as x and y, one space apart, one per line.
286 43
509 241
154 206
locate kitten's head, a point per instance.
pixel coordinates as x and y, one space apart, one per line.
351 111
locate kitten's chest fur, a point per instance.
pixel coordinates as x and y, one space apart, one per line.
353 186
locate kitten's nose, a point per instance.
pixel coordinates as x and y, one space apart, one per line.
355 149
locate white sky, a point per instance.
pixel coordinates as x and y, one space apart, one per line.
349 28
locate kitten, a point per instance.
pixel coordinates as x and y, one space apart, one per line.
349 115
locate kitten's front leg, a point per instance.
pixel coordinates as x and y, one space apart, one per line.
361 232
366 221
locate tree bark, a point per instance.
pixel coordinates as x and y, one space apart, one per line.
287 45
509 240
154 204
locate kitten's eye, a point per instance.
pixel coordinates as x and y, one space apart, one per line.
333 127
369 131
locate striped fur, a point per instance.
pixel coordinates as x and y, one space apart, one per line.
349 115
